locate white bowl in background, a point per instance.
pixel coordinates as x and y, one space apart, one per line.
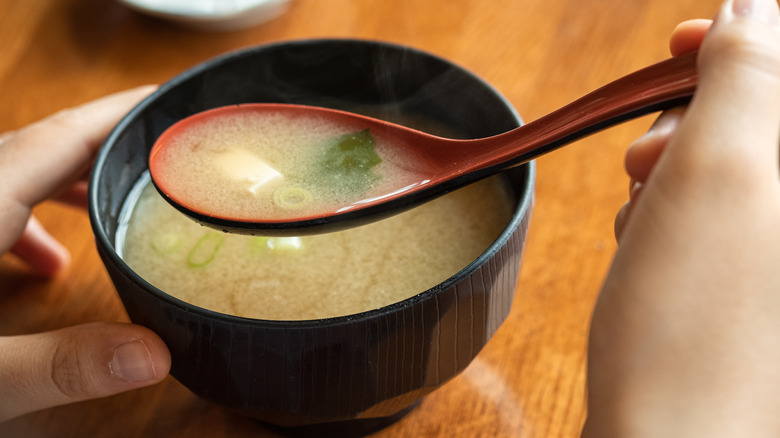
212 15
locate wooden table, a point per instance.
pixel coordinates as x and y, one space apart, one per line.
530 379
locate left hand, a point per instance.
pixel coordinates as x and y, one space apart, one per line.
51 159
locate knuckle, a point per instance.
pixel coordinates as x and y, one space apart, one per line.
732 177
67 118
748 49
67 370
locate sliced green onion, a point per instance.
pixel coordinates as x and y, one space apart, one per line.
292 197
258 244
166 243
205 249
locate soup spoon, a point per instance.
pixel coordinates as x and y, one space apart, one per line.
455 163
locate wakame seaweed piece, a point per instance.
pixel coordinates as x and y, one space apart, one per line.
352 152
347 163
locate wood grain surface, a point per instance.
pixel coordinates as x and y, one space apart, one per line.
530 379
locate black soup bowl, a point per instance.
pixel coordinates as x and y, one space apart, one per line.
344 375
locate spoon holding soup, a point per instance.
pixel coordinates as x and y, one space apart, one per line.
282 169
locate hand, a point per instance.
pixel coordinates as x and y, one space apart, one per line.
685 337
643 153
44 160
51 158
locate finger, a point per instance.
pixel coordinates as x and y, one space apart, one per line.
77 363
75 196
42 252
687 36
643 154
623 215
40 159
739 77
621 218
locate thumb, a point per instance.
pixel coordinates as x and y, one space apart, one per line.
733 118
77 363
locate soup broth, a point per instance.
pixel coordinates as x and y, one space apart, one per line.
251 164
319 276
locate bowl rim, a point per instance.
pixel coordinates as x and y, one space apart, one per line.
522 210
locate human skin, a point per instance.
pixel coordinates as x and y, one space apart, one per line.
644 152
49 160
685 335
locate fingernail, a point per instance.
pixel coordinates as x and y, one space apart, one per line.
635 190
665 124
132 362
761 10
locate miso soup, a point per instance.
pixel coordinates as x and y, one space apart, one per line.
254 164
319 276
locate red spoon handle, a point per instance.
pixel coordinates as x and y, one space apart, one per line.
664 85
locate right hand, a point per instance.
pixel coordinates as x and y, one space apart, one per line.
685 337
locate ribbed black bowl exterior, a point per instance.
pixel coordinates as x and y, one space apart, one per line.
347 373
